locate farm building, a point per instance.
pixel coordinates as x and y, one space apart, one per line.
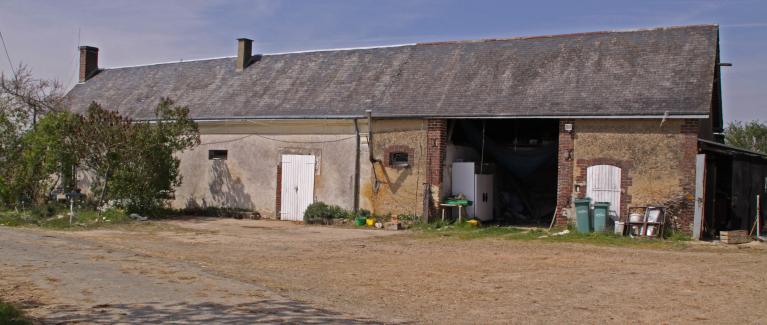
521 126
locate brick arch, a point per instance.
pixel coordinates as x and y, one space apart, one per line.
626 179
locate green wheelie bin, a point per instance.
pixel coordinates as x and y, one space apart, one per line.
600 216
582 215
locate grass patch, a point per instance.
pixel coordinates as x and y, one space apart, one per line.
10 315
468 232
58 218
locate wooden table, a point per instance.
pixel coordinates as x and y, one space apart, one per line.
450 205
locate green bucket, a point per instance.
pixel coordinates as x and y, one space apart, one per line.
360 221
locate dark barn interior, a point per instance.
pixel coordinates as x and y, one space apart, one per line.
522 156
733 179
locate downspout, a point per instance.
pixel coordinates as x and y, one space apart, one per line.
357 169
370 136
371 157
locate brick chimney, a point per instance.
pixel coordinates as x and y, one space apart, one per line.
244 53
89 62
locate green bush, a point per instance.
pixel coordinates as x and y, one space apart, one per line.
12 316
48 210
321 213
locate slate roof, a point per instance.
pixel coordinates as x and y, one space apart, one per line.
642 72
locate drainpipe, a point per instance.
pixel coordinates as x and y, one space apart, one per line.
372 158
370 136
357 170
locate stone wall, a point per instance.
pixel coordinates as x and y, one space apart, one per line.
388 189
657 160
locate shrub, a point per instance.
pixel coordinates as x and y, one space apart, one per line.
11 315
48 210
321 213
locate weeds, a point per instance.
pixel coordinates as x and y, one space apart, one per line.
58 218
465 231
11 316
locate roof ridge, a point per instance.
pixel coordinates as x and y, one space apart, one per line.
468 41
632 30
169 62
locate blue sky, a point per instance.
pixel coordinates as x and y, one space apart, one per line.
44 34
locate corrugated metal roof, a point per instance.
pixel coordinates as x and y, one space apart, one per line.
628 73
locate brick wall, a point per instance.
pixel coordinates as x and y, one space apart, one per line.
564 172
436 144
689 132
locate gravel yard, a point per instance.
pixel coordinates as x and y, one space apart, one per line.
245 271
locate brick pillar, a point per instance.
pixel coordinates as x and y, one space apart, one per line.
565 158
278 200
689 150
436 148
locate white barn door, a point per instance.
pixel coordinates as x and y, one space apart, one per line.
603 184
297 186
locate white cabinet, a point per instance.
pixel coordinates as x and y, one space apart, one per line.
476 187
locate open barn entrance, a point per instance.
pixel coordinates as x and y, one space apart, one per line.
507 167
734 189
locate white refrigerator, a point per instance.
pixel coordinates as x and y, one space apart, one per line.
476 187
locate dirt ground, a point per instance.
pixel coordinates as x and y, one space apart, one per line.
242 271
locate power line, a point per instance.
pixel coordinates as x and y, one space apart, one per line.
277 140
305 142
6 53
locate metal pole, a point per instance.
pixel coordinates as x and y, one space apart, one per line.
758 226
482 154
357 169
71 209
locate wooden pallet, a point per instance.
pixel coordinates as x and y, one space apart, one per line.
734 237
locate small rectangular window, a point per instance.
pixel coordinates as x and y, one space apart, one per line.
399 159
217 154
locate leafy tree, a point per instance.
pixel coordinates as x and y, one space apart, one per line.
42 146
23 101
104 136
48 157
750 136
151 152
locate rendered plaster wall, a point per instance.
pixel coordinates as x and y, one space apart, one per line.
248 178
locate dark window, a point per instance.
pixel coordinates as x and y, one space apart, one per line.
217 154
399 159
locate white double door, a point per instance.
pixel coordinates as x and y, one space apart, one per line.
297 191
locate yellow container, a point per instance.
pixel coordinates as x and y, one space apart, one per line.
370 222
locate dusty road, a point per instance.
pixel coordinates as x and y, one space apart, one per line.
245 272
